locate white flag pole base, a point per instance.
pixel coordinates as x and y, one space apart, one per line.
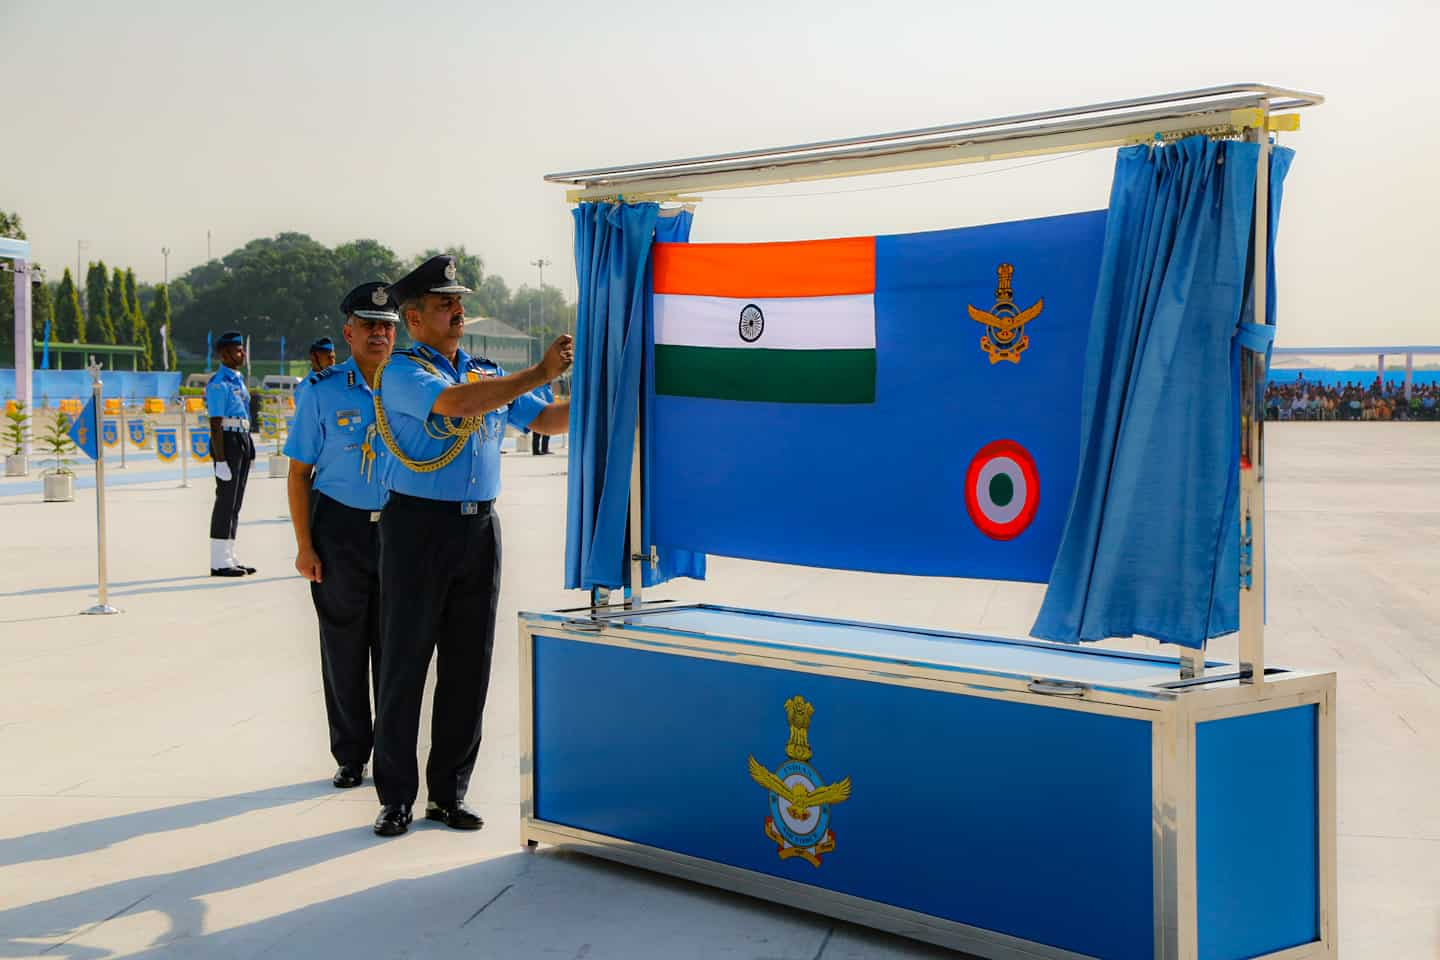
100 609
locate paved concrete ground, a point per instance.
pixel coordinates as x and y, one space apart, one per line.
164 775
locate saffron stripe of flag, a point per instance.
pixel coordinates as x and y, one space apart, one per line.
769 322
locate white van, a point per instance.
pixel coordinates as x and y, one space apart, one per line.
280 383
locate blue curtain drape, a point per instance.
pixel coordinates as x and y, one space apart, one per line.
674 562
1151 542
612 263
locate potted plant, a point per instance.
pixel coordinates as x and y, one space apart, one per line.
17 430
59 481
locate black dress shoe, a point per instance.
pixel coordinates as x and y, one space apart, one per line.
245 569
456 816
227 572
394 820
348 776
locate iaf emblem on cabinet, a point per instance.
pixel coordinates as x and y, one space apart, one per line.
800 800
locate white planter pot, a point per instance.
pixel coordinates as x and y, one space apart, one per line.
59 487
17 465
279 465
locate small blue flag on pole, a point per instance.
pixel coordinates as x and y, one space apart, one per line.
86 431
45 351
208 350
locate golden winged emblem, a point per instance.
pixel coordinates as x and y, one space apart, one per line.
1005 337
799 821
799 797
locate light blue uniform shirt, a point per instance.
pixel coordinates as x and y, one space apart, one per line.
408 391
226 395
334 426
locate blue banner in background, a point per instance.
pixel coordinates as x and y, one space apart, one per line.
964 464
49 387
166 444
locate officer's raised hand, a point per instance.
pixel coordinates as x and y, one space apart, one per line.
559 356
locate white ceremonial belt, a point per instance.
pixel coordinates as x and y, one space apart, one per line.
235 423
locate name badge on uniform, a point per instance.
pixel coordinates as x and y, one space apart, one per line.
347 418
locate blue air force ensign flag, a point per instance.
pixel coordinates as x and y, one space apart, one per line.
110 432
139 434
83 431
166 444
902 404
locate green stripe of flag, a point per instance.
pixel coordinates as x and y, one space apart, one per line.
775 376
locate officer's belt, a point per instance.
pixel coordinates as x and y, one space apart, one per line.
448 508
235 423
357 513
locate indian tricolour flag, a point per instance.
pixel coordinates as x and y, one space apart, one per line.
777 322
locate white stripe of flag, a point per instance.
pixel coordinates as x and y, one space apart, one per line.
791 323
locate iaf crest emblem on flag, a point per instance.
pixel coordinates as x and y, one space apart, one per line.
166 446
800 800
110 433
1005 337
200 444
138 434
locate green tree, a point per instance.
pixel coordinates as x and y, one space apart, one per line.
96 284
360 261
42 310
11 227
491 298
139 332
288 285
68 317
157 320
115 305
542 312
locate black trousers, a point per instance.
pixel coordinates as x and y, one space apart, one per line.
230 494
347 604
440 572
539 443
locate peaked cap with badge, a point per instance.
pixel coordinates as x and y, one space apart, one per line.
436 275
322 345
371 301
231 338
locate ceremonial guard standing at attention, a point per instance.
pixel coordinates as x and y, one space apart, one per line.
227 404
337 530
443 414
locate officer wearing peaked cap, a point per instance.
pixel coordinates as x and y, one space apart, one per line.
227 404
335 518
442 414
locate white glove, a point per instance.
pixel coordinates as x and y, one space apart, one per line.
222 471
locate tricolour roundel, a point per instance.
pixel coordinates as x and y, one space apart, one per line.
1002 489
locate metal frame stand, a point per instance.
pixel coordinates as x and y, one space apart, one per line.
102 608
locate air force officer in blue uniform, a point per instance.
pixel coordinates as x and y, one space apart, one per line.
227 404
336 519
440 540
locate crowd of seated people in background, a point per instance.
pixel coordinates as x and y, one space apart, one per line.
1309 400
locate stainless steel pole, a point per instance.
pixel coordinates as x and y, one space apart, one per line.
637 557
184 445
123 431
103 607
1252 438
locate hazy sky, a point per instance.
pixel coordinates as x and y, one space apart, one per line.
132 126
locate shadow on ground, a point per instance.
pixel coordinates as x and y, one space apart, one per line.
550 903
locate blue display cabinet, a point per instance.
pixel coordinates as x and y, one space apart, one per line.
1008 798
